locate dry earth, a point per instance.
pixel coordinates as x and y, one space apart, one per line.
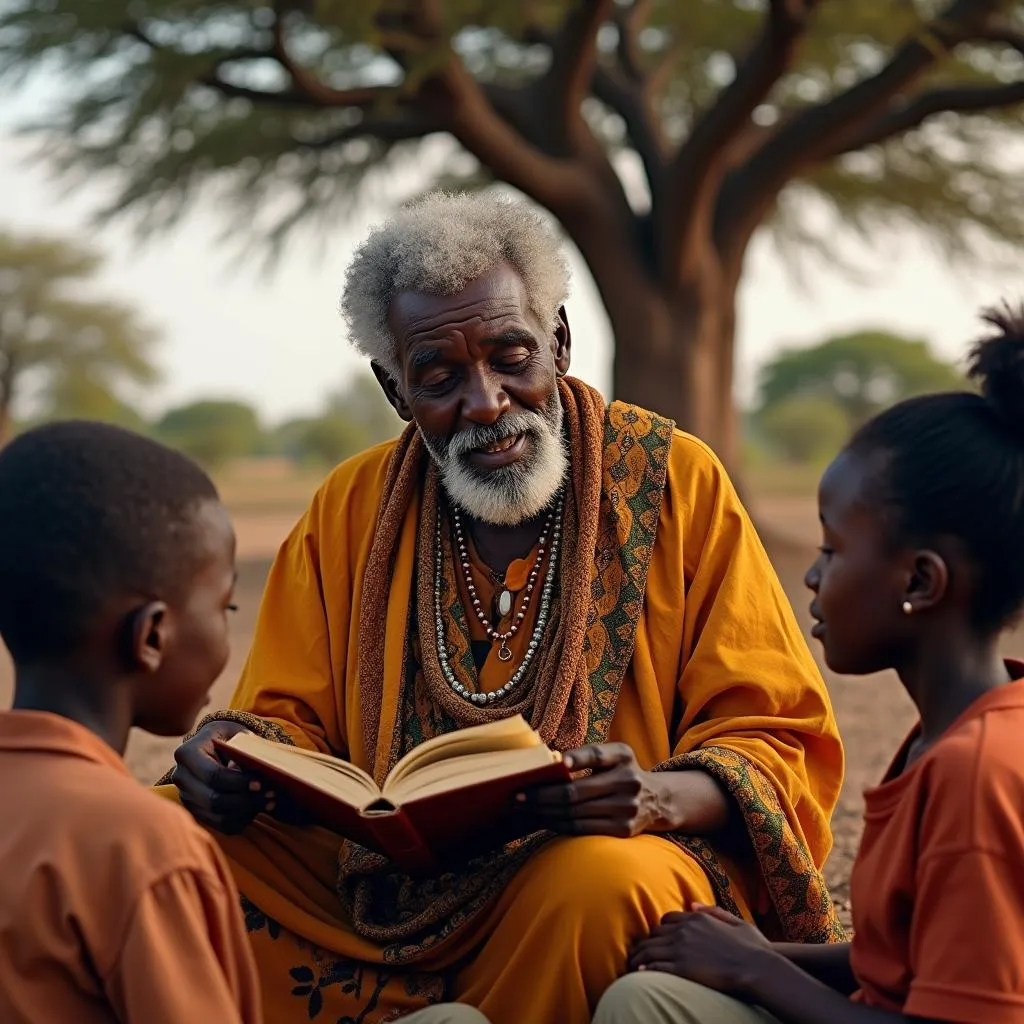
873 713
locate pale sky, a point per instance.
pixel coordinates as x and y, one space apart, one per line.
279 343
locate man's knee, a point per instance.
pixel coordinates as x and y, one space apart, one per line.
447 1013
602 876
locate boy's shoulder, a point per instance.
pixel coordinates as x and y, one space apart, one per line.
148 835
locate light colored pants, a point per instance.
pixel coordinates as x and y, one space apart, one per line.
446 1013
651 997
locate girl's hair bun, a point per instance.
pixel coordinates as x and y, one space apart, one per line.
997 364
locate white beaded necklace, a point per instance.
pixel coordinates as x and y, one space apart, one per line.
505 599
553 528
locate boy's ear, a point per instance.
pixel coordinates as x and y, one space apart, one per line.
148 637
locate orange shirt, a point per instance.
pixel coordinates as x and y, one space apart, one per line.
114 905
938 886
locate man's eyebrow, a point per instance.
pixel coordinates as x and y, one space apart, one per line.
424 357
513 336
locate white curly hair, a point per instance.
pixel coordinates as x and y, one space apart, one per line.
437 246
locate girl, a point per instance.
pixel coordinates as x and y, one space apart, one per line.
921 571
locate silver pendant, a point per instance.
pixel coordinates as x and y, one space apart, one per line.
504 603
504 654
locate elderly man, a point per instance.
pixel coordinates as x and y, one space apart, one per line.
522 548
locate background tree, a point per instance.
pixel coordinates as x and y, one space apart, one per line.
860 374
660 134
353 418
804 429
55 343
78 396
213 431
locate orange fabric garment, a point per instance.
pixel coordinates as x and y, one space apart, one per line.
114 905
938 885
718 662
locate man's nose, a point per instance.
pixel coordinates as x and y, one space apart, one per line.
484 400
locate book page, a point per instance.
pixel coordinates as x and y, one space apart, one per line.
455 773
505 735
329 774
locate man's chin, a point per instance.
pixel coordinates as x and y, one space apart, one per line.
499 497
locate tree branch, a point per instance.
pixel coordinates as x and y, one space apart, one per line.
467 113
1005 34
383 129
306 92
283 98
629 24
695 168
307 84
907 113
630 101
913 112
573 60
813 133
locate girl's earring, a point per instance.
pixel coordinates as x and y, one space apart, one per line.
908 608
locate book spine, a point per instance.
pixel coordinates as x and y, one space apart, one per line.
395 834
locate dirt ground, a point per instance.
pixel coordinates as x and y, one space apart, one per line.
873 714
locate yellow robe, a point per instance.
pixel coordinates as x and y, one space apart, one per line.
719 662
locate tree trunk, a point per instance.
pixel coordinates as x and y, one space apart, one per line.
6 396
675 357
673 337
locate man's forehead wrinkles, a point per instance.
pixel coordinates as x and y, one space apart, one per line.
462 331
456 319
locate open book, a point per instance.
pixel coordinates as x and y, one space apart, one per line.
450 797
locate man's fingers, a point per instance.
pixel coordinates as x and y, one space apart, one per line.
613 808
227 821
209 770
598 757
562 796
211 801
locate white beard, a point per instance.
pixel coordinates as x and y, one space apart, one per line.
510 494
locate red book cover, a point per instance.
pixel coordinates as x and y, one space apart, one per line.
422 834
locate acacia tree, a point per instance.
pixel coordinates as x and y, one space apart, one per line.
861 373
73 351
729 109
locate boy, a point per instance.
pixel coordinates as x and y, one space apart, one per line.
116 579
117 571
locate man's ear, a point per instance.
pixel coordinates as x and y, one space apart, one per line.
148 637
392 392
562 342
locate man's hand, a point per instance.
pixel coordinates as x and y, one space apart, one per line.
218 794
618 799
708 946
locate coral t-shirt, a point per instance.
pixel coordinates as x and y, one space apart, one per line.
938 886
114 904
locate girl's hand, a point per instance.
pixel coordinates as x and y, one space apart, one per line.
708 946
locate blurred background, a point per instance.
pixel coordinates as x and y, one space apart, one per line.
783 215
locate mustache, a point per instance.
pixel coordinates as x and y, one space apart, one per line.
508 426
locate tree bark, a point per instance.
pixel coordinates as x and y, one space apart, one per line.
7 370
673 355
